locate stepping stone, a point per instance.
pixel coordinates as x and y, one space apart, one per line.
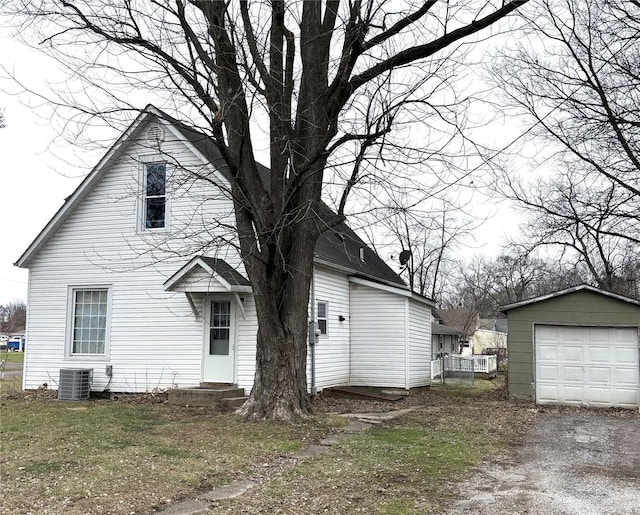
230 491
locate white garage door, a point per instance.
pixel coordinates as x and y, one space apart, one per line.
587 366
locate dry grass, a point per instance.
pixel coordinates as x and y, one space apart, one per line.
11 387
405 468
12 357
118 457
138 455
409 465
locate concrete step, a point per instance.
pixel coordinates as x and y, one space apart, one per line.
233 402
197 396
213 386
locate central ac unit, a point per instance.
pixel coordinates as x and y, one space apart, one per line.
75 384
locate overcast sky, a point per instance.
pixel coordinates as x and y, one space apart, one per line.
31 190
35 180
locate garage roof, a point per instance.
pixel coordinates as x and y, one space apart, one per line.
573 289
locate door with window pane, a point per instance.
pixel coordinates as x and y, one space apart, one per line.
219 362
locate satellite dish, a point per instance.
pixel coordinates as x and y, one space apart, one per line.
404 256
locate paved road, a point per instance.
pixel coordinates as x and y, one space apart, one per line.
580 463
12 370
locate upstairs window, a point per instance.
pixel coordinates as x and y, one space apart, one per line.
155 195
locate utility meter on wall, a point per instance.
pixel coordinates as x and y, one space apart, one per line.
314 332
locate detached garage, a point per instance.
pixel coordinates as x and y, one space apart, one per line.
578 347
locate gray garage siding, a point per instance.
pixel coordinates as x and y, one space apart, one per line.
577 308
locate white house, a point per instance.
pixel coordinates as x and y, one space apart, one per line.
116 286
484 339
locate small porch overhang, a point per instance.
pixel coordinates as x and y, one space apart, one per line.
206 275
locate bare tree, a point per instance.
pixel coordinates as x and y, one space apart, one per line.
13 317
471 292
424 239
2 122
592 224
486 284
576 80
330 79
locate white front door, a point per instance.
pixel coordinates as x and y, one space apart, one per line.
219 342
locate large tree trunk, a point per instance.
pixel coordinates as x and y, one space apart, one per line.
278 222
280 390
281 291
277 230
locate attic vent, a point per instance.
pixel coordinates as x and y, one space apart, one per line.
155 135
362 254
75 384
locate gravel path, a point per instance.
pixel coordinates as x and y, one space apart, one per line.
583 463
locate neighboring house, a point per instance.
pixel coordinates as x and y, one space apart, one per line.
451 331
446 340
115 287
499 325
453 328
465 320
485 341
578 346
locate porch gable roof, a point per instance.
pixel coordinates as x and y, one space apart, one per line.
217 269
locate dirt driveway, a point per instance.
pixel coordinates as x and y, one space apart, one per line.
571 463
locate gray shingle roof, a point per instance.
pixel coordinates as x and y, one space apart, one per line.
445 329
339 245
226 271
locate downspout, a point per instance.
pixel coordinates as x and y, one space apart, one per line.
407 372
312 332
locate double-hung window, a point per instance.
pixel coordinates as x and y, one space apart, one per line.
322 317
155 195
89 321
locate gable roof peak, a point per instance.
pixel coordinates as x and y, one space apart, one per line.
566 291
346 252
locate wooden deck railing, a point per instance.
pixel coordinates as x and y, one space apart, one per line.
487 364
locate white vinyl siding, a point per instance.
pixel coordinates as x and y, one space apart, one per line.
378 337
198 280
332 349
419 344
247 331
155 340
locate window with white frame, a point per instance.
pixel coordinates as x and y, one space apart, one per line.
155 195
322 315
89 321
